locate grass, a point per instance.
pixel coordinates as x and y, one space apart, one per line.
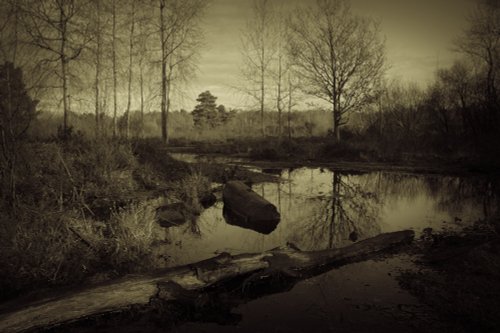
87 208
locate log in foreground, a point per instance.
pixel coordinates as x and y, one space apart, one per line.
121 294
247 209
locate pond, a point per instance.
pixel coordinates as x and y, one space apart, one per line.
320 209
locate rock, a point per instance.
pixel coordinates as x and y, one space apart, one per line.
247 209
171 215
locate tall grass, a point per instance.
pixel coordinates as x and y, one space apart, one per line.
191 189
133 233
81 212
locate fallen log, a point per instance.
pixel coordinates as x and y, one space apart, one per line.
261 226
248 208
140 290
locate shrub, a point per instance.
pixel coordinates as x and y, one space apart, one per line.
132 233
191 190
40 251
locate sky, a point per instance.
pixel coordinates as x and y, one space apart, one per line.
419 39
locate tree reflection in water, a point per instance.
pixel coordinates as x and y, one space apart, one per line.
320 208
348 208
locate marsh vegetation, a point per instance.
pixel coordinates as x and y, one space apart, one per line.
105 171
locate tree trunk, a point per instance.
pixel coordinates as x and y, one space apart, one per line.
115 75
98 70
262 94
130 71
141 82
167 94
194 278
278 104
64 68
164 133
289 108
336 120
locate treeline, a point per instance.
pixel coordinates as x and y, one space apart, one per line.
238 124
104 57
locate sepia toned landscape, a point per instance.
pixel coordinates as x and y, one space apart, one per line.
249 166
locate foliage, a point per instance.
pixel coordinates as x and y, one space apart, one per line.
17 111
82 211
207 114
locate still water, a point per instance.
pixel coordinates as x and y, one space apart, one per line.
319 209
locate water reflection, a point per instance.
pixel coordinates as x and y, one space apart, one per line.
322 209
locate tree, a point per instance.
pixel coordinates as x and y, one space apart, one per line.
115 71
258 51
481 42
459 86
98 55
132 18
205 114
55 26
179 39
340 56
17 110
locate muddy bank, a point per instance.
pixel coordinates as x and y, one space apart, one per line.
437 168
458 275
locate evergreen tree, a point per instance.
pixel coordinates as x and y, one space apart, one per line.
205 114
17 110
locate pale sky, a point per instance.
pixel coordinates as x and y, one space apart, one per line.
419 38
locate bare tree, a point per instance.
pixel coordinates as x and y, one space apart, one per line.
282 70
460 92
98 53
258 51
115 71
55 27
179 29
144 56
132 23
481 41
339 55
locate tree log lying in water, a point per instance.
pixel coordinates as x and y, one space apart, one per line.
121 294
248 209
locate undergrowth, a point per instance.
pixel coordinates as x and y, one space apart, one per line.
87 208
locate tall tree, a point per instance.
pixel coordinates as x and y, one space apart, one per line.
179 29
339 55
98 54
258 52
132 23
115 65
56 27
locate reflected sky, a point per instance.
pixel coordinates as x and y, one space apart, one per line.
321 209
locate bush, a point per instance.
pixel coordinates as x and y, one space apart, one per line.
40 251
132 233
191 190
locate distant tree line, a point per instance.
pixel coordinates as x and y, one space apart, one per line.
102 55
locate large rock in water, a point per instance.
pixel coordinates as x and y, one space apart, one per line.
245 208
